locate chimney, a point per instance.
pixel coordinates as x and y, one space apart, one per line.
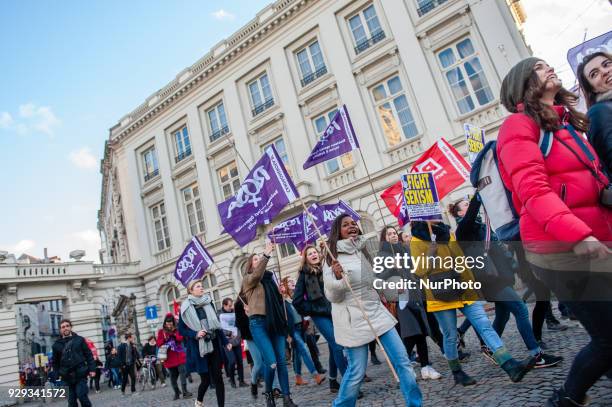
46 260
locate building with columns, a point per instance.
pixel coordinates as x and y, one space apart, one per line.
409 71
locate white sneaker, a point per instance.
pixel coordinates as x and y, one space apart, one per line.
199 403
429 372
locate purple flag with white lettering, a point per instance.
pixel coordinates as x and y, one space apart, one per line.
266 190
337 139
599 43
324 216
288 231
193 263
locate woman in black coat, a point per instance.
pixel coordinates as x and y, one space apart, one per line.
594 76
411 311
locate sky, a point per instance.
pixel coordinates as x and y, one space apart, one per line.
70 70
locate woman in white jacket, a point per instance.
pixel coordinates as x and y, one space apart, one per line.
350 257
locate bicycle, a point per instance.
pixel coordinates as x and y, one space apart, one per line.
148 374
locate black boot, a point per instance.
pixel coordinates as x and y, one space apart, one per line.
177 396
334 386
287 402
186 393
254 390
561 399
232 382
463 378
517 370
270 402
375 360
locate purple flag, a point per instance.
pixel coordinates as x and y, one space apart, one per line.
338 138
290 230
266 190
324 216
192 264
577 53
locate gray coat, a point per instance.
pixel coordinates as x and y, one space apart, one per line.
350 327
413 317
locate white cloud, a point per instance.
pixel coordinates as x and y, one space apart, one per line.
88 237
83 158
22 246
222 15
32 119
6 120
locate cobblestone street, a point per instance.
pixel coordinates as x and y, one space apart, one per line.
493 388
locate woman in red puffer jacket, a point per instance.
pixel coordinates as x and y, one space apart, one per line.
564 227
175 360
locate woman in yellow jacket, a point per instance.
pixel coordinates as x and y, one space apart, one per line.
440 261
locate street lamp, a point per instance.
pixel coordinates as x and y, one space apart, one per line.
136 331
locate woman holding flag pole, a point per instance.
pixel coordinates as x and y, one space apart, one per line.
360 317
267 322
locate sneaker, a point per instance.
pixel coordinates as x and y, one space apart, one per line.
543 360
486 352
163 385
199 403
429 372
556 326
334 386
242 383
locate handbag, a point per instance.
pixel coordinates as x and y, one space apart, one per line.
445 294
162 353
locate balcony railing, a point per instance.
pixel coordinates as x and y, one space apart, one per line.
219 133
182 155
262 107
429 5
365 44
150 175
314 75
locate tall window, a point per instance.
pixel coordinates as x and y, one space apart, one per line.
345 160
279 143
217 121
171 294
311 63
209 282
461 67
149 162
193 207
365 28
286 249
393 111
229 180
261 94
182 144
160 226
425 6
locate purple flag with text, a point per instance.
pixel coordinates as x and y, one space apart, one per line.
337 139
193 263
288 231
266 190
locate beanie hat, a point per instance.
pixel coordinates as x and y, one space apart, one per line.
169 318
513 86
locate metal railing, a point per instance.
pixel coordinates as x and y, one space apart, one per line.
314 75
365 44
428 6
219 133
262 107
150 175
182 155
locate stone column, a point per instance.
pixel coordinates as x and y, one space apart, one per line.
9 360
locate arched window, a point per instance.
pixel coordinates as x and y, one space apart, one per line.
172 293
209 282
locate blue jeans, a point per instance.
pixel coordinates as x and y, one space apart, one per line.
512 303
78 391
475 312
358 360
116 373
257 360
272 348
301 352
338 361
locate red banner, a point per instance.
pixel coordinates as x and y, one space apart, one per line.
448 166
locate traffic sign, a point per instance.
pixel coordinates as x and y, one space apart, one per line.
151 312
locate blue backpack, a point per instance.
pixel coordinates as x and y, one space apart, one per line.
496 198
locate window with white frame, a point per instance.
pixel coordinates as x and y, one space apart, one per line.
217 121
193 209
425 6
311 63
286 249
394 111
160 226
260 93
172 294
279 143
463 71
149 164
209 283
344 161
182 145
365 28
229 180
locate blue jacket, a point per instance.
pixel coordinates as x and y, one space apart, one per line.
196 363
600 132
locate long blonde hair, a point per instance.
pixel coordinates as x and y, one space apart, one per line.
304 262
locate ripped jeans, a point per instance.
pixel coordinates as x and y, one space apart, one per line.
272 348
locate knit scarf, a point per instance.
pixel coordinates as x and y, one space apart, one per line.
193 322
312 278
276 323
